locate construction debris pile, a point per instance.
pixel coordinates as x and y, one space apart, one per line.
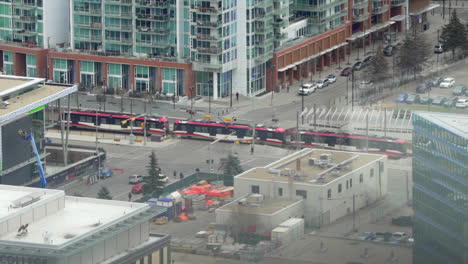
180 205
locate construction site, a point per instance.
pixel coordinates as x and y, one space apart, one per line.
27 156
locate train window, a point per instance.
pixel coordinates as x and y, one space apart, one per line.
75 118
269 135
87 119
103 120
117 122
219 131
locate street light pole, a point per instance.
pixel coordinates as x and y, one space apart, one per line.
352 89
302 108
97 148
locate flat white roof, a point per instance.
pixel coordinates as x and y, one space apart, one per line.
79 218
455 123
8 194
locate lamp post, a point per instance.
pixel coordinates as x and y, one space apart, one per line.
97 148
191 102
210 84
302 108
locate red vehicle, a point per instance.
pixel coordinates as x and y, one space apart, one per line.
112 122
137 188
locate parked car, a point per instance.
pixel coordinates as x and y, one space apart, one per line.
133 179
105 174
451 102
425 100
307 89
164 178
322 83
358 66
461 103
423 88
459 90
389 50
331 78
346 71
367 60
435 82
382 236
438 48
402 220
402 97
412 99
439 100
399 236
447 83
137 188
366 236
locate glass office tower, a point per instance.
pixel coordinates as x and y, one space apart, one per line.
440 169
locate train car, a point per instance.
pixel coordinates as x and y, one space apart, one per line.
389 146
112 122
230 132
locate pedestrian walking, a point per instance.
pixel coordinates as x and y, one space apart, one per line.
287 88
129 196
237 96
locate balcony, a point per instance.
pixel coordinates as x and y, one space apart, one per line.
359 4
360 17
88 38
263 58
320 7
207 37
380 9
212 50
152 17
398 2
157 31
26 33
120 27
120 40
88 11
117 14
210 10
209 24
153 4
153 43
211 66
122 2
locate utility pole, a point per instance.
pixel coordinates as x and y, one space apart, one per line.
367 132
347 90
97 149
443 9
407 189
354 213
385 122
352 89
144 130
230 102
252 147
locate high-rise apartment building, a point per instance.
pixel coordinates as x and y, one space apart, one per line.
440 171
210 48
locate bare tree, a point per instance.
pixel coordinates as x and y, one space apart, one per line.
378 69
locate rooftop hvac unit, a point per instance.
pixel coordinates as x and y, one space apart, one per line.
27 200
335 174
242 201
312 162
4 104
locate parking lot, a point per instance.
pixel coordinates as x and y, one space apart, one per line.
425 99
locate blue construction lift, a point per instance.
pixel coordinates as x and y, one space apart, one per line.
30 138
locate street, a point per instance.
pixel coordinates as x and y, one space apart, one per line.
174 156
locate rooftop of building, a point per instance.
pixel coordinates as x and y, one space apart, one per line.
65 223
266 207
312 166
20 95
455 123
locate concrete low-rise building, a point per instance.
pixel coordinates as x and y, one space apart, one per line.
46 226
253 210
331 183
